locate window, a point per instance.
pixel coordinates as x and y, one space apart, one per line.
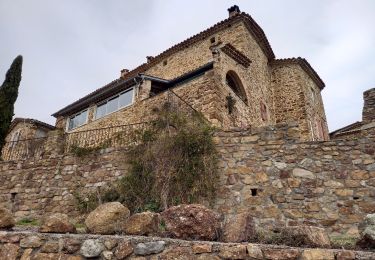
263 111
15 138
115 103
77 120
40 133
312 93
234 82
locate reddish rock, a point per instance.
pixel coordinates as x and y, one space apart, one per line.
239 228
142 224
9 251
281 254
123 250
313 236
192 221
57 223
233 252
202 248
6 218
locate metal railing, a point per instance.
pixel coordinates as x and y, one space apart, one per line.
23 149
113 136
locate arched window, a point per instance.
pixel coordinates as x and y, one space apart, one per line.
234 82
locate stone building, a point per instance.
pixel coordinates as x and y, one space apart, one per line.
25 136
227 72
361 128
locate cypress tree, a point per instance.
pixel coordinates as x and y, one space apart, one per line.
8 96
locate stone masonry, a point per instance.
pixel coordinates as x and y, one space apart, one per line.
266 172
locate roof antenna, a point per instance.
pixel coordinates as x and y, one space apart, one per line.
233 10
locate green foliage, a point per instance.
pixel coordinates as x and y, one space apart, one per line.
28 222
8 96
174 162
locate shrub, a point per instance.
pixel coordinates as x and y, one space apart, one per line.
173 162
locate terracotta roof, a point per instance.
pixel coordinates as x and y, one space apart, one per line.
349 128
235 54
249 22
305 66
30 121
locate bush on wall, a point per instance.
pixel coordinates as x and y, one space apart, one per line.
174 162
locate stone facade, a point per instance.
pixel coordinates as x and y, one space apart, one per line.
266 172
363 128
32 245
274 91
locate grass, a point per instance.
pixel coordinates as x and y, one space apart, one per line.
343 241
28 222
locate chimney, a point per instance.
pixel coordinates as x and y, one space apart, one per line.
149 58
233 10
124 72
368 112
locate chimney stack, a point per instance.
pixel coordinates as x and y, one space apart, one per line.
368 112
149 58
124 72
233 10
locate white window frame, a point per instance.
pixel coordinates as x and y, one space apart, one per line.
112 97
74 115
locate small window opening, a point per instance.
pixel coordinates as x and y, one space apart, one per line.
234 82
165 62
213 40
263 111
355 198
254 192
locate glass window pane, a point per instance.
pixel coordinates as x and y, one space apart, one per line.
112 105
100 111
126 98
82 118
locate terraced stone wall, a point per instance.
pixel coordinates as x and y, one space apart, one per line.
26 245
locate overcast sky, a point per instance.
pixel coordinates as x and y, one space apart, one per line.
73 47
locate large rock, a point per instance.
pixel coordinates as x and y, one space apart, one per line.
9 251
6 218
312 236
192 221
108 218
367 232
91 248
317 254
142 224
57 223
239 228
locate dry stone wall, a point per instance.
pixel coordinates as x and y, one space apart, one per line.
26 245
265 172
280 181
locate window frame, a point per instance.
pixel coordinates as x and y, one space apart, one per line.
238 89
104 102
73 116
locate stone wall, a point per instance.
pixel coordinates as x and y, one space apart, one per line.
26 245
298 99
368 113
264 171
280 181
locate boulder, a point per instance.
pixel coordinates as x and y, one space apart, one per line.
144 223
108 218
239 228
312 236
91 248
6 218
367 232
192 221
57 223
123 250
9 251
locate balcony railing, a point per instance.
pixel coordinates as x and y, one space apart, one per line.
24 149
113 136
